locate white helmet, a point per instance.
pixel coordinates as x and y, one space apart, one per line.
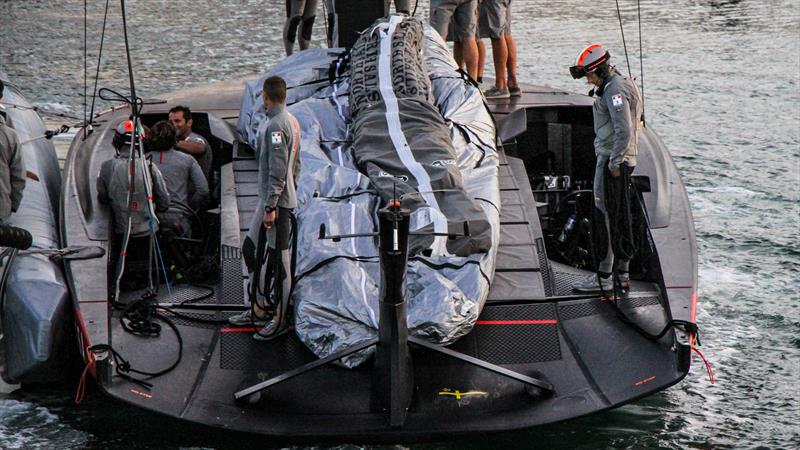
588 60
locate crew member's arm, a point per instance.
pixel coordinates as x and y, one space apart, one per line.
619 110
160 192
200 184
17 166
273 165
191 145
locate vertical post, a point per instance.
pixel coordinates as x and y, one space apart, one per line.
393 383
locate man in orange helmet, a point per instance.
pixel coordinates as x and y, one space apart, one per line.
617 118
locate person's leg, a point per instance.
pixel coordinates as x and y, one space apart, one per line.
511 63
483 33
500 57
466 22
606 265
624 247
294 17
307 26
481 60
331 15
283 277
470 54
458 55
602 239
492 23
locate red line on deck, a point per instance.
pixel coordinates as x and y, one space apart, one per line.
516 322
239 330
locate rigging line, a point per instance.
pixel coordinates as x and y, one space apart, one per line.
135 144
97 73
85 62
128 55
624 45
641 60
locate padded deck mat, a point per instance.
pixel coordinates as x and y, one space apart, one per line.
239 351
515 334
595 307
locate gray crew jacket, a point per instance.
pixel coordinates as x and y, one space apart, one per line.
12 170
183 177
112 189
617 120
279 160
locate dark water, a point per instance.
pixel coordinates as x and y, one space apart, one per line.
722 84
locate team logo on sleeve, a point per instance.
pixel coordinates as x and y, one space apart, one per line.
617 101
277 137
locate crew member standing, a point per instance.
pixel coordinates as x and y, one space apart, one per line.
278 169
617 119
12 167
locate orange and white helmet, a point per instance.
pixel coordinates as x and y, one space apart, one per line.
123 134
588 60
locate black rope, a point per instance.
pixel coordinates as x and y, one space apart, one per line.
97 72
624 45
684 325
618 194
139 318
618 206
193 318
641 60
85 61
128 52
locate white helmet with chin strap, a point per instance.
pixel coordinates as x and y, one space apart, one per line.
588 60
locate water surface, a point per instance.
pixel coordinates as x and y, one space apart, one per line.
722 90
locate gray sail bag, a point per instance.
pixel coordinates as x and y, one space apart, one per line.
399 120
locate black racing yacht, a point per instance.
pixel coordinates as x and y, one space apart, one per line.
438 239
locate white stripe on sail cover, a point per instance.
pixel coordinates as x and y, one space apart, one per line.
398 138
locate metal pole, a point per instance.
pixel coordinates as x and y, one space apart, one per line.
393 378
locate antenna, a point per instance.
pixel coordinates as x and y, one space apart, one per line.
641 60
624 45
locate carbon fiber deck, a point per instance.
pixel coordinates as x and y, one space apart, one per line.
232 285
514 334
239 351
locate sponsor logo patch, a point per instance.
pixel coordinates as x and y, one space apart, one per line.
617 101
277 137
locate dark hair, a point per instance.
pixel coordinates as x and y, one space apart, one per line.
275 89
2 87
603 70
161 137
187 113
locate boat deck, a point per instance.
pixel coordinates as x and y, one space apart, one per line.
590 356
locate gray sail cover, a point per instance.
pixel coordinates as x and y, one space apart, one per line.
397 119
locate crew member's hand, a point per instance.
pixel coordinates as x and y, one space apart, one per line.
269 219
615 172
